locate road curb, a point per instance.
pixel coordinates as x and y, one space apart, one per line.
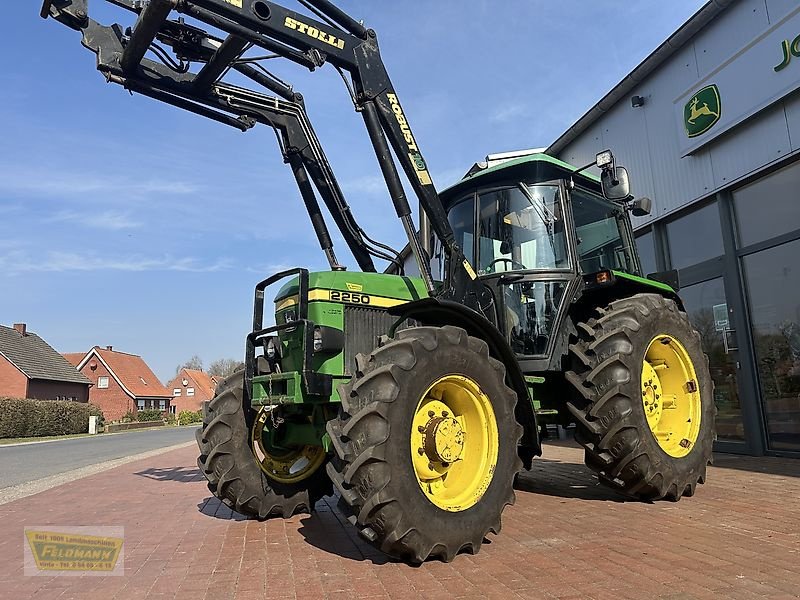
29 488
95 436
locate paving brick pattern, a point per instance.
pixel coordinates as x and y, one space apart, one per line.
566 537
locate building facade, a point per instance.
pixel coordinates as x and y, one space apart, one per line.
709 128
122 382
31 368
190 389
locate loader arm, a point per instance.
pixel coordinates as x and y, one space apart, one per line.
202 94
306 41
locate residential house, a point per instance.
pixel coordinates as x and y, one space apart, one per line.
31 368
190 388
122 382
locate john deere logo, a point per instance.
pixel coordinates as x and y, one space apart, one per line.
702 111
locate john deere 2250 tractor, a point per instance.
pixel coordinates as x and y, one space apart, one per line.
419 400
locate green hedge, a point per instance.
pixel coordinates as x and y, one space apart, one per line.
37 418
187 417
149 414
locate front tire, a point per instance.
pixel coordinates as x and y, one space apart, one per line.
232 470
643 398
426 444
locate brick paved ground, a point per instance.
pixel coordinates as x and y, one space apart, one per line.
566 537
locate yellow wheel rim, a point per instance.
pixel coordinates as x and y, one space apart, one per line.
281 465
454 443
671 395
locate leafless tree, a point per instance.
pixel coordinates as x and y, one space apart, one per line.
224 367
195 363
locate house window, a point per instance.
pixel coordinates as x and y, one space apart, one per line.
102 383
176 392
190 391
140 404
162 404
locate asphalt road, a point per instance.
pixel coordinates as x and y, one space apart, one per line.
21 464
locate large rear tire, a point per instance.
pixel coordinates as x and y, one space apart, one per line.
643 398
232 470
426 444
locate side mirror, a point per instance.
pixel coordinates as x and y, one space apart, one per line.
614 182
641 207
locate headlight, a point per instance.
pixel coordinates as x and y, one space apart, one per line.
604 159
317 340
327 340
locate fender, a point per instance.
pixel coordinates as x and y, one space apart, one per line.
436 312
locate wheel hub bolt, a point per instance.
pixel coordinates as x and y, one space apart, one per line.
444 440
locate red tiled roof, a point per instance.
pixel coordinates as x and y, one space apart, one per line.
202 380
131 371
74 357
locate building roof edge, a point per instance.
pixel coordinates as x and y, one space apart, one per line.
659 56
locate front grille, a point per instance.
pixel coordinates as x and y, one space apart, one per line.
362 328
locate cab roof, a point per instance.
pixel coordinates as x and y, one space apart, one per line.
533 167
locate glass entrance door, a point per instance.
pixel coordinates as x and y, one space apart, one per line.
707 306
773 284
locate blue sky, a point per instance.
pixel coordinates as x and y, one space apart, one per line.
129 223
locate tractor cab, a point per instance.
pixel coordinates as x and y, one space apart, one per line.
533 227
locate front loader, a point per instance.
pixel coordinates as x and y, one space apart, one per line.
418 400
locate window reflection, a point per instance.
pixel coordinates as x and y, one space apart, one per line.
531 310
647 252
707 308
599 229
521 227
773 283
462 219
695 237
769 206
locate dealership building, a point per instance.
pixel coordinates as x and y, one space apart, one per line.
709 128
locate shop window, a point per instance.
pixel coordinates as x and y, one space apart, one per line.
102 383
707 307
773 285
695 237
768 207
647 252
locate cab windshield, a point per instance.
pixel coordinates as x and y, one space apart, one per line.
521 228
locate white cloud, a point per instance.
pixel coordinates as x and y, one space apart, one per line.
17 261
70 184
508 112
109 220
369 185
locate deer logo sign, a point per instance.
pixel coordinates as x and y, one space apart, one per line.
702 111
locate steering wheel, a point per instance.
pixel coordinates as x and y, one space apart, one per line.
511 261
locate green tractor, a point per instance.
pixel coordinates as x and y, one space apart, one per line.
418 400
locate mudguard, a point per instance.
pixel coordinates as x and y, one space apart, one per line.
437 312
